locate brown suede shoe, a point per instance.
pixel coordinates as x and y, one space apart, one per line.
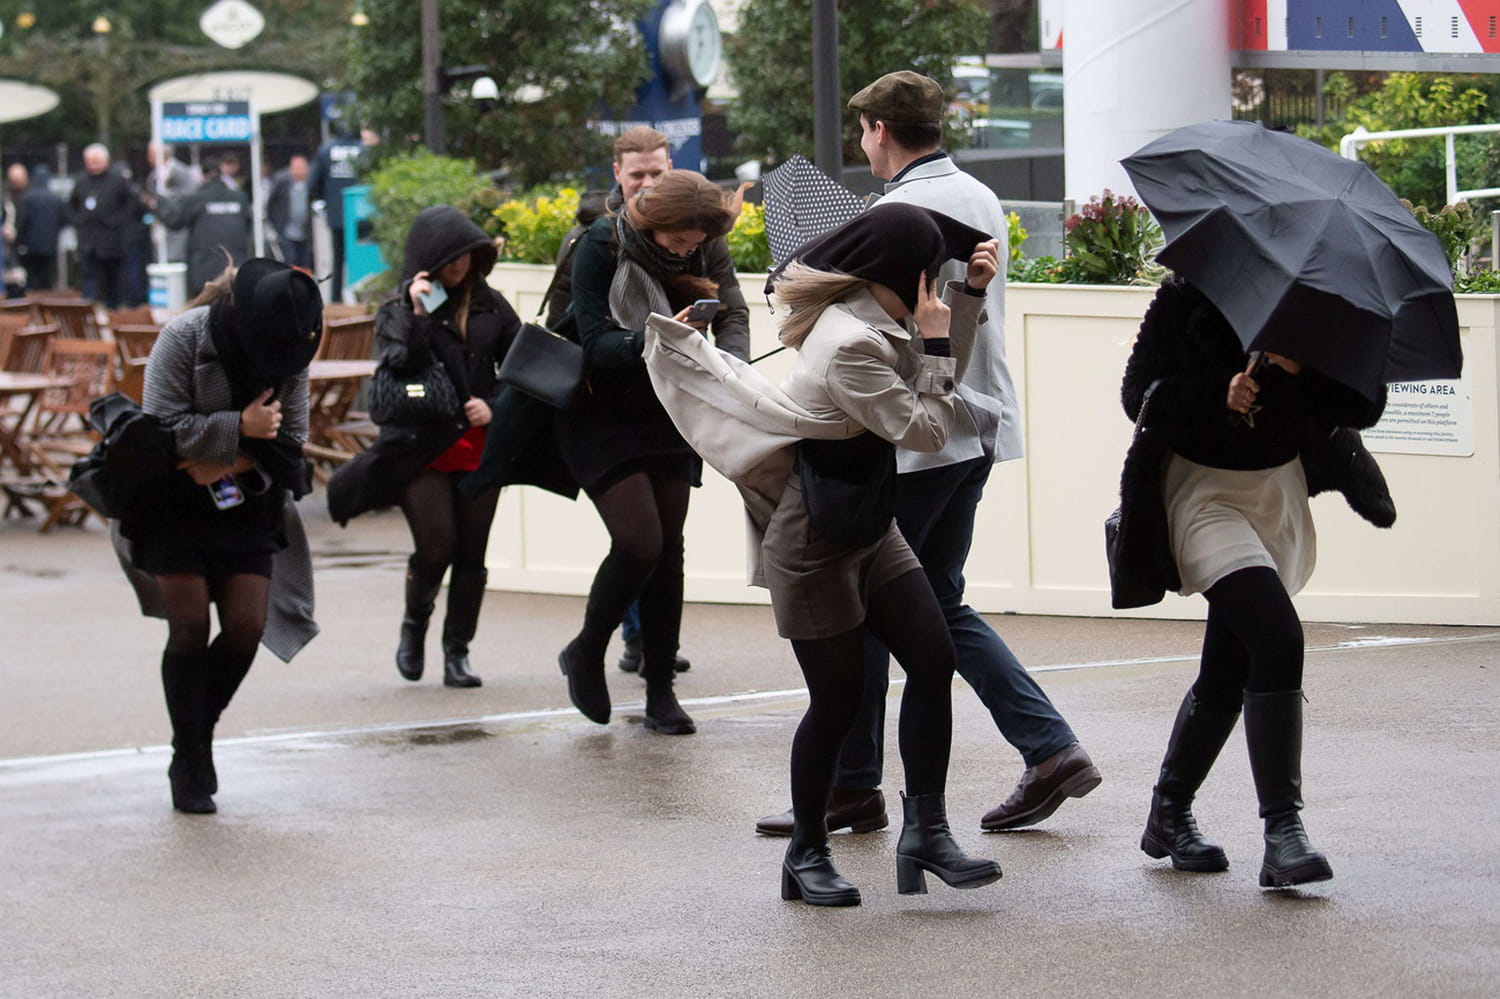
859 810
1066 774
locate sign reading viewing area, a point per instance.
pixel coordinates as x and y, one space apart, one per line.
206 121
1425 418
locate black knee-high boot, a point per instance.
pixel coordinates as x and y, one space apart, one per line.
185 684
1273 731
1198 734
465 596
927 844
421 593
226 671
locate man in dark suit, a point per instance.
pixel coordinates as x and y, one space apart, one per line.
289 210
102 203
40 216
217 217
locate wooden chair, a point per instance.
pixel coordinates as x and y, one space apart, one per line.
132 380
351 339
138 315
89 369
134 342
338 310
26 349
18 307
76 318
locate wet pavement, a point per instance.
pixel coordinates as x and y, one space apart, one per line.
382 838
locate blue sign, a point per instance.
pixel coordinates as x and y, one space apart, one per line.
206 122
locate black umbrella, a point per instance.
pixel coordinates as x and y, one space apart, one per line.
1306 253
803 202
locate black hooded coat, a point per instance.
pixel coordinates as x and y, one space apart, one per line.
408 344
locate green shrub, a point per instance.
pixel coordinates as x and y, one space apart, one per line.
1015 235
1113 239
1048 270
535 223
1477 283
402 187
1455 226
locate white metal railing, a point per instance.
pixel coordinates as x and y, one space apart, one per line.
1349 149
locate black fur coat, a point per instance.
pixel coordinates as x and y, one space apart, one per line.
1187 349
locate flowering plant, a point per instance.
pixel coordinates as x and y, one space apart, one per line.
1112 238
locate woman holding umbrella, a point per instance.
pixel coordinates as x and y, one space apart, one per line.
1311 287
1241 533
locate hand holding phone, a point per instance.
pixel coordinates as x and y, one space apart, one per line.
701 312
433 297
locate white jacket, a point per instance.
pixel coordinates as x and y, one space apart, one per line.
857 370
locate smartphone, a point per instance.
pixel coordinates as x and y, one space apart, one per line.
226 493
702 311
434 298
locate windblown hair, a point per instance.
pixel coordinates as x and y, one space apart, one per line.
684 200
221 286
806 292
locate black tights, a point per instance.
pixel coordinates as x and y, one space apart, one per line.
644 515
1253 640
217 667
448 526
904 615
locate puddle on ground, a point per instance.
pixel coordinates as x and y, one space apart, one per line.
21 570
446 736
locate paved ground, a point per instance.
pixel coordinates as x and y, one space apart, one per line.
379 838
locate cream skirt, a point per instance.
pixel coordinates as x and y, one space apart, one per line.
1223 520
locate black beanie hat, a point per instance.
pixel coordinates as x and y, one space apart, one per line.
891 244
278 319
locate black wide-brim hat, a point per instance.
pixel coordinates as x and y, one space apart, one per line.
893 243
279 313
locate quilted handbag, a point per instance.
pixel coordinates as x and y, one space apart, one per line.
427 396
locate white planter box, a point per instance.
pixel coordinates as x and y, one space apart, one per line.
1039 538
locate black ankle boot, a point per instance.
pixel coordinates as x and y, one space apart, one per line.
927 844
1273 730
1197 736
421 595
807 873
184 684
586 686
663 713
465 595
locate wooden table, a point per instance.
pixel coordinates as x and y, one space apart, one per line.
25 388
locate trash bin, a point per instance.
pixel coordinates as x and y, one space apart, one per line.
361 254
168 286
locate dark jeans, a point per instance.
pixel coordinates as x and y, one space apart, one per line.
101 280
41 271
296 253
935 511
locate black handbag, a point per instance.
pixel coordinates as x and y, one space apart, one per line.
544 365
1138 547
848 487
407 400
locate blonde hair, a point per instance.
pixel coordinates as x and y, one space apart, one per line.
806 292
221 286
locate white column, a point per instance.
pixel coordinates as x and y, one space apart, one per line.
1133 70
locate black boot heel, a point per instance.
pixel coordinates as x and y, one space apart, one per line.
808 874
927 844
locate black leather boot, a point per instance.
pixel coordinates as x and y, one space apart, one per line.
663 713
587 688
465 595
1198 734
184 683
1273 731
421 594
227 670
927 844
808 874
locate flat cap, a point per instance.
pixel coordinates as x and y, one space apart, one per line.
902 97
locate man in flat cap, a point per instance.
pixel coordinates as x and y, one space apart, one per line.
900 117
